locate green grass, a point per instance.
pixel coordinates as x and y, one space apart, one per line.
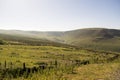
72 63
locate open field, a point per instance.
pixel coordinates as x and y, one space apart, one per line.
20 62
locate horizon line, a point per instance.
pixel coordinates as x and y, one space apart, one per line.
59 30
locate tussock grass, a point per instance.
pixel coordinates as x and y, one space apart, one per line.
65 63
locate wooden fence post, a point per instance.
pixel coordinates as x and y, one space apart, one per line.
24 67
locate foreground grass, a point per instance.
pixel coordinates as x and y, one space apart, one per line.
85 72
72 64
95 71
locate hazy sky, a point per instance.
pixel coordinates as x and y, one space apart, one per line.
60 15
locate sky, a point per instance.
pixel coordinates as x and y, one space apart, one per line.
59 15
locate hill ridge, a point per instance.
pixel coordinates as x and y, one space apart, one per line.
95 38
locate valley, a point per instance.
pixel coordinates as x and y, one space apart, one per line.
86 54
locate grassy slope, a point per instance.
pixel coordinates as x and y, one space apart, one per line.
16 39
100 66
100 39
92 38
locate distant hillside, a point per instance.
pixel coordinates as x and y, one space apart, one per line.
95 38
92 38
91 35
20 39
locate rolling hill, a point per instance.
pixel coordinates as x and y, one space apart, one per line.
92 38
95 38
10 37
31 53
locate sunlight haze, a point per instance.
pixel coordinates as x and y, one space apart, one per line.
59 15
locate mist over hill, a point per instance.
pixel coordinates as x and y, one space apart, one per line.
92 38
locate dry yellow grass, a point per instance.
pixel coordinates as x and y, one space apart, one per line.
100 70
94 72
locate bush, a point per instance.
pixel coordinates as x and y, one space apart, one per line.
2 42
